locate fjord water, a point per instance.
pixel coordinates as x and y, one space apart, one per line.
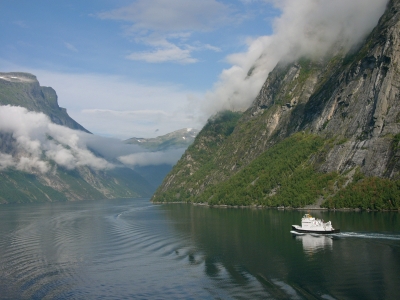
132 249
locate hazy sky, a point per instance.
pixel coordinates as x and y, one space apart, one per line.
129 68
142 68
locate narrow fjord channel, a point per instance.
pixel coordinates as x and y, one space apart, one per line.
132 249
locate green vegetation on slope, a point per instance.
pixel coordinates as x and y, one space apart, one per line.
285 175
20 187
280 176
368 193
199 154
221 124
212 136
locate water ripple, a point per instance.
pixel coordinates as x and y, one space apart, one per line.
125 250
392 237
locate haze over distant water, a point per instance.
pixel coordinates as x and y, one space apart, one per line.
122 249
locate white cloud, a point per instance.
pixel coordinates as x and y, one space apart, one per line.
70 47
305 28
172 15
37 142
152 158
172 53
165 26
6 161
36 138
162 50
209 47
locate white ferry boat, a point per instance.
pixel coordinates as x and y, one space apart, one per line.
310 224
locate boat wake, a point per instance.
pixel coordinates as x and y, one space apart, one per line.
133 209
381 236
297 233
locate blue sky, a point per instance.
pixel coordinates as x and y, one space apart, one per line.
142 68
178 46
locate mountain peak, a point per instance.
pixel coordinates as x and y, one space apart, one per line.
180 138
23 89
18 77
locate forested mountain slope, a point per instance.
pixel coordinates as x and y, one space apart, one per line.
320 132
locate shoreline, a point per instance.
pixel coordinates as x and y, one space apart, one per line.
344 209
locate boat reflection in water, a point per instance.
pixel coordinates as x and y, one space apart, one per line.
313 243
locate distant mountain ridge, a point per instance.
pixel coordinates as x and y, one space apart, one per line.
181 138
178 139
320 133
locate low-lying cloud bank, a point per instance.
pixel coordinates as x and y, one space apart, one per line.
37 144
307 28
152 158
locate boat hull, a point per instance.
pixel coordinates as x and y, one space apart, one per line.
295 228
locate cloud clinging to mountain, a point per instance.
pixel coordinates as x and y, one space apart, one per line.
308 28
37 143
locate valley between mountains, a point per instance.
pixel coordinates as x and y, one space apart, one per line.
323 132
45 155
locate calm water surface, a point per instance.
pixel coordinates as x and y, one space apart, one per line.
131 249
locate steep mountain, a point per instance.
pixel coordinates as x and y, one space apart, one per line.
181 138
321 132
23 89
33 169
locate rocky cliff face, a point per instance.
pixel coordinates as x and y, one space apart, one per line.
355 96
350 100
23 89
362 104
